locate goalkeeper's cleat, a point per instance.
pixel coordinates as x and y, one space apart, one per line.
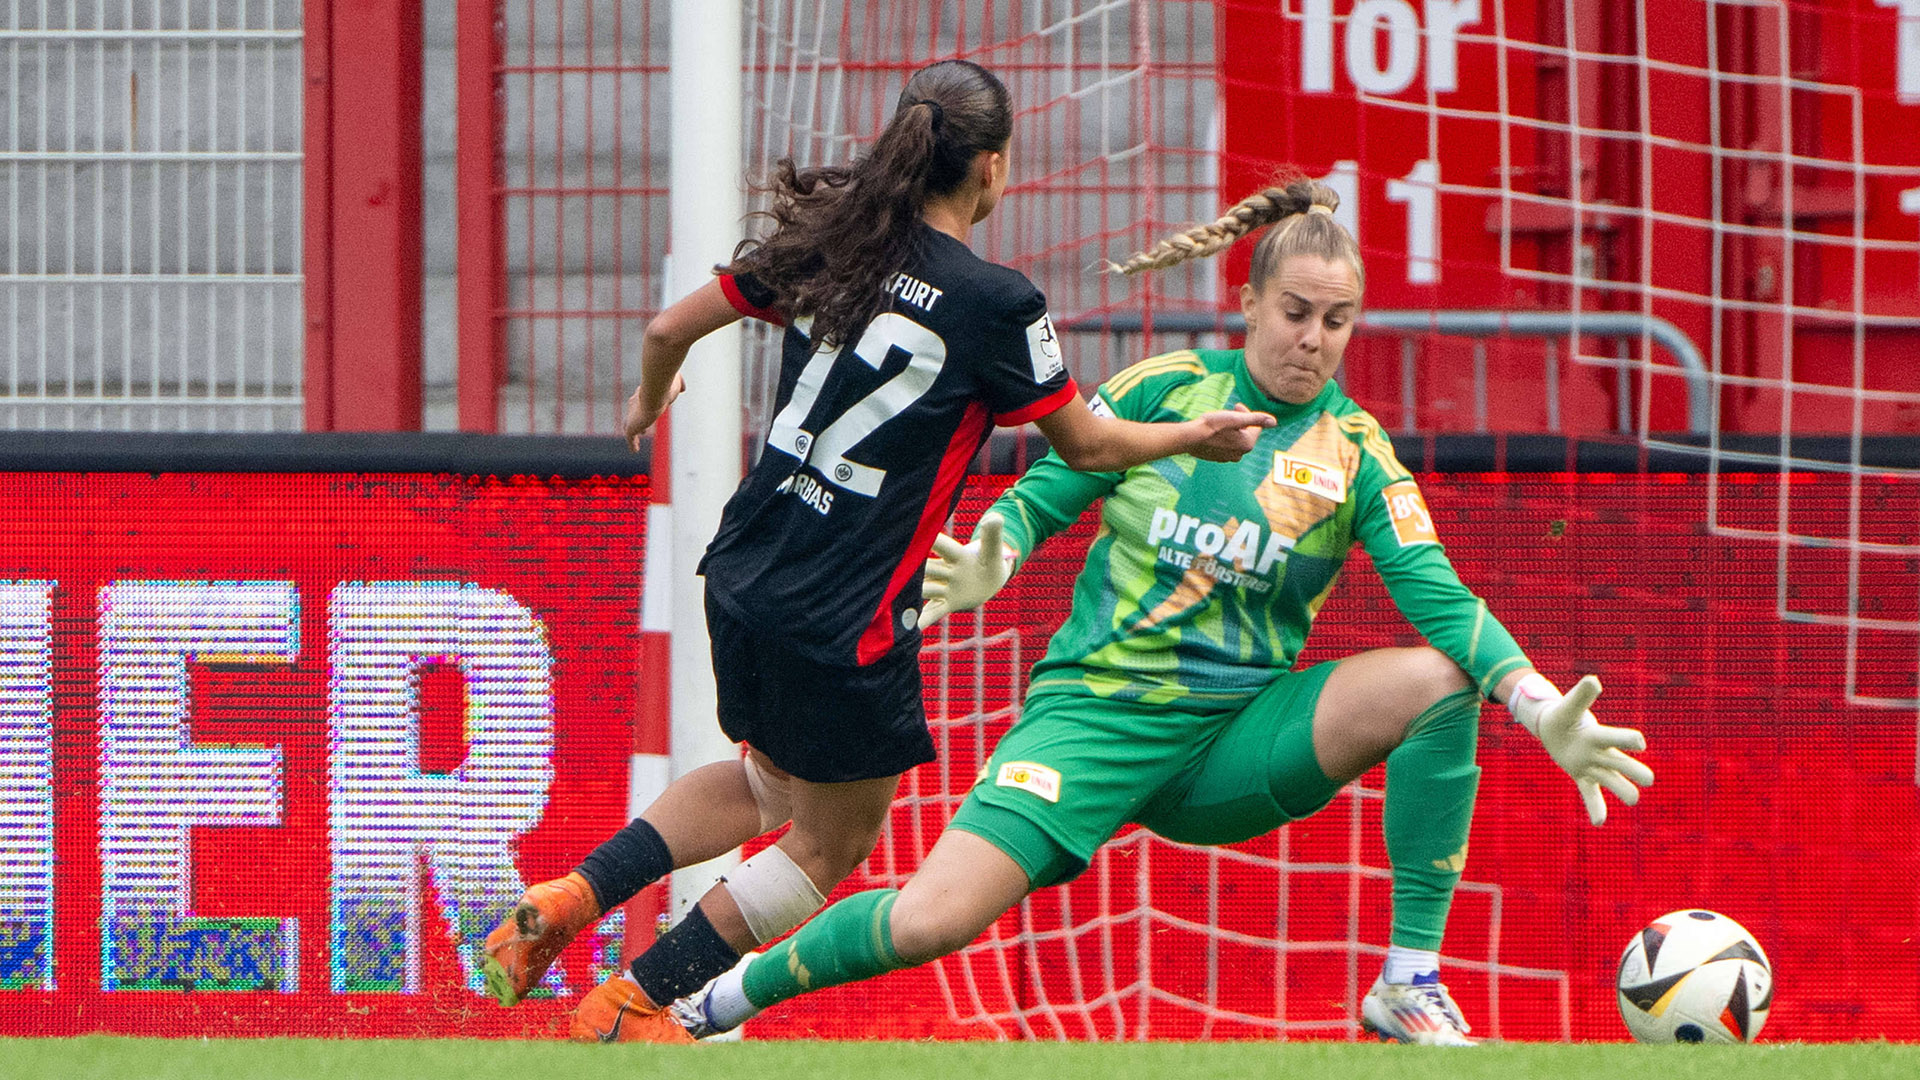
618 1011
520 949
695 1011
1420 1012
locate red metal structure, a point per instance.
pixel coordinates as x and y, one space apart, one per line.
363 252
561 230
481 215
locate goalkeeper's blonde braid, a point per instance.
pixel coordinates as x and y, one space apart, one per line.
1201 241
1304 210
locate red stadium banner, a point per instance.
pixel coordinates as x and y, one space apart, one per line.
1737 170
277 748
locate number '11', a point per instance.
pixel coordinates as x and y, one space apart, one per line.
1419 191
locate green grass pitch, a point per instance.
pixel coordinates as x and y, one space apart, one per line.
192 1059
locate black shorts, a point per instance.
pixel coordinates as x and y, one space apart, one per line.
820 722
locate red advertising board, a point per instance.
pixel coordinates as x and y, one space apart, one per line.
1749 173
299 729
1777 802
279 747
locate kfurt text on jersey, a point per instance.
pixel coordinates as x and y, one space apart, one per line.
914 291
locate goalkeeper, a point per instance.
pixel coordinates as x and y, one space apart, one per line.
1168 698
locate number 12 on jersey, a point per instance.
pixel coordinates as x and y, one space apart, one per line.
826 450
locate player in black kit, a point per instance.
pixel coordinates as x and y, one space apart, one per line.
902 351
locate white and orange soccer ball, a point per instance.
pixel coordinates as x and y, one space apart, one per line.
1695 976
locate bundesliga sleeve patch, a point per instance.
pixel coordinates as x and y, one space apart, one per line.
1043 349
1025 775
1411 522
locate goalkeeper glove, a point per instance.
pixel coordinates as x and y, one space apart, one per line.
964 576
1591 752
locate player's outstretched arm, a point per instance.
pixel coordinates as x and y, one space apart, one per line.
961 577
663 348
1092 443
1594 754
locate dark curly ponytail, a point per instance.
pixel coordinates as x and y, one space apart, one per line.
840 231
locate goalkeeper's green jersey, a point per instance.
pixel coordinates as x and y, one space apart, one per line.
1205 577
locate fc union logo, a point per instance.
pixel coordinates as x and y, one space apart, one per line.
1311 476
1030 777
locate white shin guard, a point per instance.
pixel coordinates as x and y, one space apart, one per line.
774 895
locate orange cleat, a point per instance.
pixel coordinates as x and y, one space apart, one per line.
520 949
618 1011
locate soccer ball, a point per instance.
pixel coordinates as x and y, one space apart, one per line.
1694 976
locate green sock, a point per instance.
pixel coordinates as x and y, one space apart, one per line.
1431 783
850 941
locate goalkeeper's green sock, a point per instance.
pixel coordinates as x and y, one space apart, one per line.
1431 783
849 941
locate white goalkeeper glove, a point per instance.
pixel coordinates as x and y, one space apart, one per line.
1594 754
963 576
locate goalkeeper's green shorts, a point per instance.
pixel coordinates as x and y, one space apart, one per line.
1076 769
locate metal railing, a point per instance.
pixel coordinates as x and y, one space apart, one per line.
150 246
1478 325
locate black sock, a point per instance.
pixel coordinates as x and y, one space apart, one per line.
683 960
630 860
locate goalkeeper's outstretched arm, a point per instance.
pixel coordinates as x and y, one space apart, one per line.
1051 496
1459 624
1594 754
961 577
1425 588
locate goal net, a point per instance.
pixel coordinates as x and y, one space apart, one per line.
1117 114
1692 226
1688 227
1695 226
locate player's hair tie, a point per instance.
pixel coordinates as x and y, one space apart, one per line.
938 112
1316 208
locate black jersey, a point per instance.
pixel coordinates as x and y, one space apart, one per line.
829 532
